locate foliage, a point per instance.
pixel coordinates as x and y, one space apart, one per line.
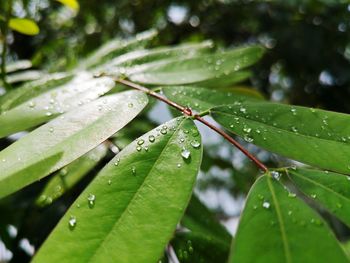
102 183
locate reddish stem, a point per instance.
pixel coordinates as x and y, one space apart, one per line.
187 111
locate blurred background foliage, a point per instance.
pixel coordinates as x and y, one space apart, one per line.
307 63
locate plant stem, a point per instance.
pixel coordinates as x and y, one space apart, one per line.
188 112
4 47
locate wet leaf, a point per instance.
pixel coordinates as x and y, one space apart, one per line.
69 136
275 227
139 198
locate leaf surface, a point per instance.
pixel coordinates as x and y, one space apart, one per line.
138 199
331 190
24 26
66 138
52 103
202 99
195 69
70 175
312 136
278 227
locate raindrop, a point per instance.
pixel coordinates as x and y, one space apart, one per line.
140 142
291 195
151 138
178 165
117 162
133 170
72 222
138 148
163 131
276 175
130 105
91 200
31 104
109 182
186 154
195 144
266 205
51 129
313 196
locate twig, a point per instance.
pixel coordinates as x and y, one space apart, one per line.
187 111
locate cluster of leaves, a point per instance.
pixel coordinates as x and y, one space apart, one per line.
131 210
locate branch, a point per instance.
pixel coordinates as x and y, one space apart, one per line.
187 111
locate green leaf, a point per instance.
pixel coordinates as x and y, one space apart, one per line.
225 80
195 247
137 57
316 137
199 219
32 89
130 210
24 26
68 136
70 175
195 69
117 47
278 227
73 4
332 190
53 103
202 99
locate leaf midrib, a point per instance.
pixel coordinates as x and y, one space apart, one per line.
280 221
135 194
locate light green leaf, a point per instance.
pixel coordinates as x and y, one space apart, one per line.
277 227
70 175
31 89
131 209
316 137
195 69
137 57
24 26
73 4
27 75
52 103
117 47
202 99
331 190
65 139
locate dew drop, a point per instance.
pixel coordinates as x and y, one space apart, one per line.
31 104
140 142
91 200
186 154
133 170
72 222
276 175
51 129
179 165
266 205
130 105
313 196
138 148
195 144
291 195
151 138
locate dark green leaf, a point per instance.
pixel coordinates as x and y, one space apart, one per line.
70 136
278 227
130 210
316 137
202 99
332 190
